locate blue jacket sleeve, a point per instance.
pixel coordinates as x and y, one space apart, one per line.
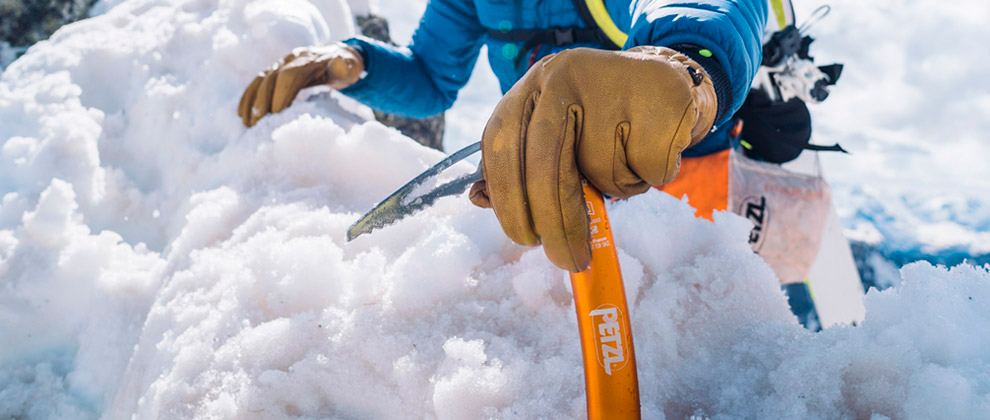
732 30
423 79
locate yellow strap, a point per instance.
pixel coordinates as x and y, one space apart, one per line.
807 282
604 21
778 10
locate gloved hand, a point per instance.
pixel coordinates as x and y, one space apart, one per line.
621 119
337 65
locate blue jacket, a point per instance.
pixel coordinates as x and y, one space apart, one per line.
424 79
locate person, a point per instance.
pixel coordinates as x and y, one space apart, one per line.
615 91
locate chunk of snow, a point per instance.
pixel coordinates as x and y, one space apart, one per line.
159 260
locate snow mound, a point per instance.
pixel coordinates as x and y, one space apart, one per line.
158 260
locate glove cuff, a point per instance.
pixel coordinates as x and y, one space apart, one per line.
345 65
700 83
720 79
705 98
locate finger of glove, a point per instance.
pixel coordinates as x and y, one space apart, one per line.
655 153
479 195
560 215
263 99
290 81
247 99
602 158
503 153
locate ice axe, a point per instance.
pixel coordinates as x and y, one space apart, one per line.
610 379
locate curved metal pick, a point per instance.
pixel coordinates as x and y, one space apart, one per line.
408 199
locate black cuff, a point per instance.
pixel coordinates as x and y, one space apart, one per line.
720 80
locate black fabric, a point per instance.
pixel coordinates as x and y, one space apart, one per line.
833 71
554 36
559 37
720 79
820 90
802 305
782 44
819 148
590 23
802 52
777 132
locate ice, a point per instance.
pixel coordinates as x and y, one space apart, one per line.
159 260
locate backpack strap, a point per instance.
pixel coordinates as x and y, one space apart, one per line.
554 36
595 16
599 28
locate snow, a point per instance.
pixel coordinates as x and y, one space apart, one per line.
159 260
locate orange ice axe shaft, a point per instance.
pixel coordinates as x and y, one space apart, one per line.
599 296
603 321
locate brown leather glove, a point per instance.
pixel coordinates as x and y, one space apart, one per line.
621 119
337 65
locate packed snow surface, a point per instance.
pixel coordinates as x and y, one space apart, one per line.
159 260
